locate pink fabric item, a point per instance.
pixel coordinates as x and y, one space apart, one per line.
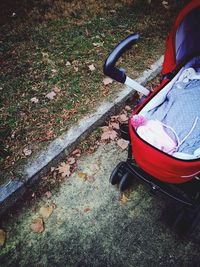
138 120
153 132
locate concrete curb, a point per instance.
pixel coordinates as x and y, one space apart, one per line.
11 191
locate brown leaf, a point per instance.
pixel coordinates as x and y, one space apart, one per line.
114 125
54 205
123 118
83 175
56 89
87 209
37 225
122 143
64 169
54 70
107 81
108 133
34 100
124 199
45 55
48 194
165 4
91 67
90 179
68 63
71 160
53 169
127 108
2 237
45 212
97 44
51 95
44 110
76 152
114 118
27 152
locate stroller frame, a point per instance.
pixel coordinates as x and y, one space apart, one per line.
187 194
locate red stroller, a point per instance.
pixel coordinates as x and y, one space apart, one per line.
175 176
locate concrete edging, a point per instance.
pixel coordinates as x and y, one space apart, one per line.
11 191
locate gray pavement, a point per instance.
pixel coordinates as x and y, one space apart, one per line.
91 227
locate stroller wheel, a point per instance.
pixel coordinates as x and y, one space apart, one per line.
125 182
116 174
187 222
194 223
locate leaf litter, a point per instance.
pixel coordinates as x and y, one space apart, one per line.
37 225
2 237
46 211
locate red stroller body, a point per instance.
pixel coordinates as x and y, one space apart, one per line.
162 171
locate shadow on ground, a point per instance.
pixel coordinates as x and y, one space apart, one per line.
90 226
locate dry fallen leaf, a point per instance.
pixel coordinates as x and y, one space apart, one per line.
114 118
128 108
45 212
87 210
68 63
89 178
124 199
37 225
71 160
64 169
54 205
45 55
76 152
44 110
165 4
56 89
107 81
27 152
122 143
114 125
2 237
123 118
48 194
83 175
97 44
91 67
51 95
34 100
108 133
53 169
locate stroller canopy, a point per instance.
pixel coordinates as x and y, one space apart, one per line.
183 41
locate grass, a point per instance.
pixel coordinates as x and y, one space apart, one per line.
44 50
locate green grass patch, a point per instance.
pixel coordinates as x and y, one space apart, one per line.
41 56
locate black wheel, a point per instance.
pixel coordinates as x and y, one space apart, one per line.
194 223
124 182
186 222
116 174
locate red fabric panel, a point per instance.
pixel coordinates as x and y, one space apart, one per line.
160 165
169 63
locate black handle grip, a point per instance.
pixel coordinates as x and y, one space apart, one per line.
109 68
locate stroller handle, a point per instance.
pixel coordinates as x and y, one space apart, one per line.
109 68
119 75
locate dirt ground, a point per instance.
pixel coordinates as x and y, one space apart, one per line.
92 224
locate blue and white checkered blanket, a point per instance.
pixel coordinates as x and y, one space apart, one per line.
179 110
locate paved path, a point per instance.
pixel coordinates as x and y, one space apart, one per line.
91 227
